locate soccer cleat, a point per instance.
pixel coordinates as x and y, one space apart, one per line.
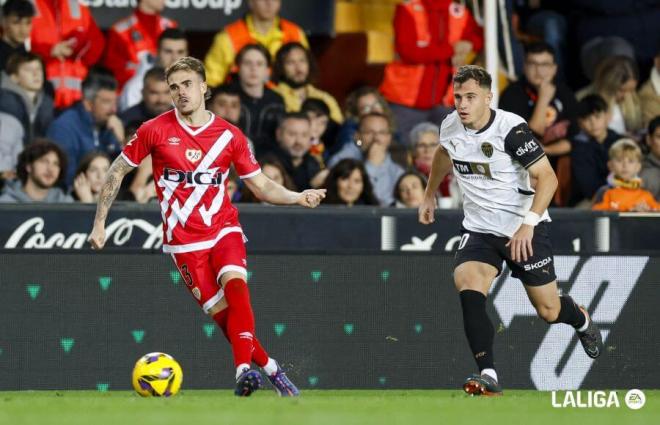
591 338
482 385
283 384
248 382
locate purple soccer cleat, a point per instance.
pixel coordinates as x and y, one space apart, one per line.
248 382
283 384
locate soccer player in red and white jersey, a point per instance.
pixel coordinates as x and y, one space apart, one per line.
192 150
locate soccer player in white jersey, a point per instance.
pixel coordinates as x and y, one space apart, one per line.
192 151
495 159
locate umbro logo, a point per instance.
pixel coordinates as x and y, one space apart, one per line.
174 140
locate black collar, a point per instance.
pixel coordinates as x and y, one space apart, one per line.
489 123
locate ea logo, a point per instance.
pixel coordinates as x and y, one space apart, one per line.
635 399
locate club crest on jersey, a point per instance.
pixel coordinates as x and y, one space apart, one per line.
487 149
193 155
174 140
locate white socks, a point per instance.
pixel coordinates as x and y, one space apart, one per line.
239 369
491 373
271 367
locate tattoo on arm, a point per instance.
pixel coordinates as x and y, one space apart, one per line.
116 173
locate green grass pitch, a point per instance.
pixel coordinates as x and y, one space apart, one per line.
315 407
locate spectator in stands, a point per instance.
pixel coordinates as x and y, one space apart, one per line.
261 25
91 124
431 37
348 184
90 177
133 39
373 141
156 98
319 117
16 27
294 140
651 167
67 38
409 190
40 170
549 107
261 107
616 81
589 149
225 102
649 94
623 191
358 103
293 72
172 45
274 170
22 95
11 144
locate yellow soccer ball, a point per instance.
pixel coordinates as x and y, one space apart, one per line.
157 375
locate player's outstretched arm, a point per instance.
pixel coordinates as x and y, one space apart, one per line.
116 173
439 168
268 191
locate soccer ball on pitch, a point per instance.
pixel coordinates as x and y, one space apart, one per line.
157 375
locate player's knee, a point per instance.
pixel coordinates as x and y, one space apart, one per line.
217 307
465 280
549 313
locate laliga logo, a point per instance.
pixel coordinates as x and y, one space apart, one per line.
554 366
634 399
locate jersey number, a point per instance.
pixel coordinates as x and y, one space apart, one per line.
186 275
463 241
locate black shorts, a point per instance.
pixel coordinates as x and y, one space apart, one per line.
486 248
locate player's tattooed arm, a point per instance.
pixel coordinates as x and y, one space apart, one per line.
116 173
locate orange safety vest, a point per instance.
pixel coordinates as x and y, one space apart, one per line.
58 21
402 81
240 35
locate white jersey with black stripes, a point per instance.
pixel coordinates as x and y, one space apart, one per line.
490 166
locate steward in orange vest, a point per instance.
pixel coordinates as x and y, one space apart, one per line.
425 31
66 36
226 44
131 39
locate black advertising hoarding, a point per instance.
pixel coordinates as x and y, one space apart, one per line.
80 321
315 17
327 229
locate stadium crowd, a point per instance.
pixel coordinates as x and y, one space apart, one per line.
72 96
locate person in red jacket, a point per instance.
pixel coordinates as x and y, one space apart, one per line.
431 37
134 37
66 36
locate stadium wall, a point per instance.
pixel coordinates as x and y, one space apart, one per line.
71 320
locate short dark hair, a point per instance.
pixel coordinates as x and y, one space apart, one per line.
387 119
228 89
590 105
171 34
87 159
20 8
156 73
98 79
292 116
415 173
316 106
473 72
653 125
19 58
253 46
540 47
283 52
34 151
